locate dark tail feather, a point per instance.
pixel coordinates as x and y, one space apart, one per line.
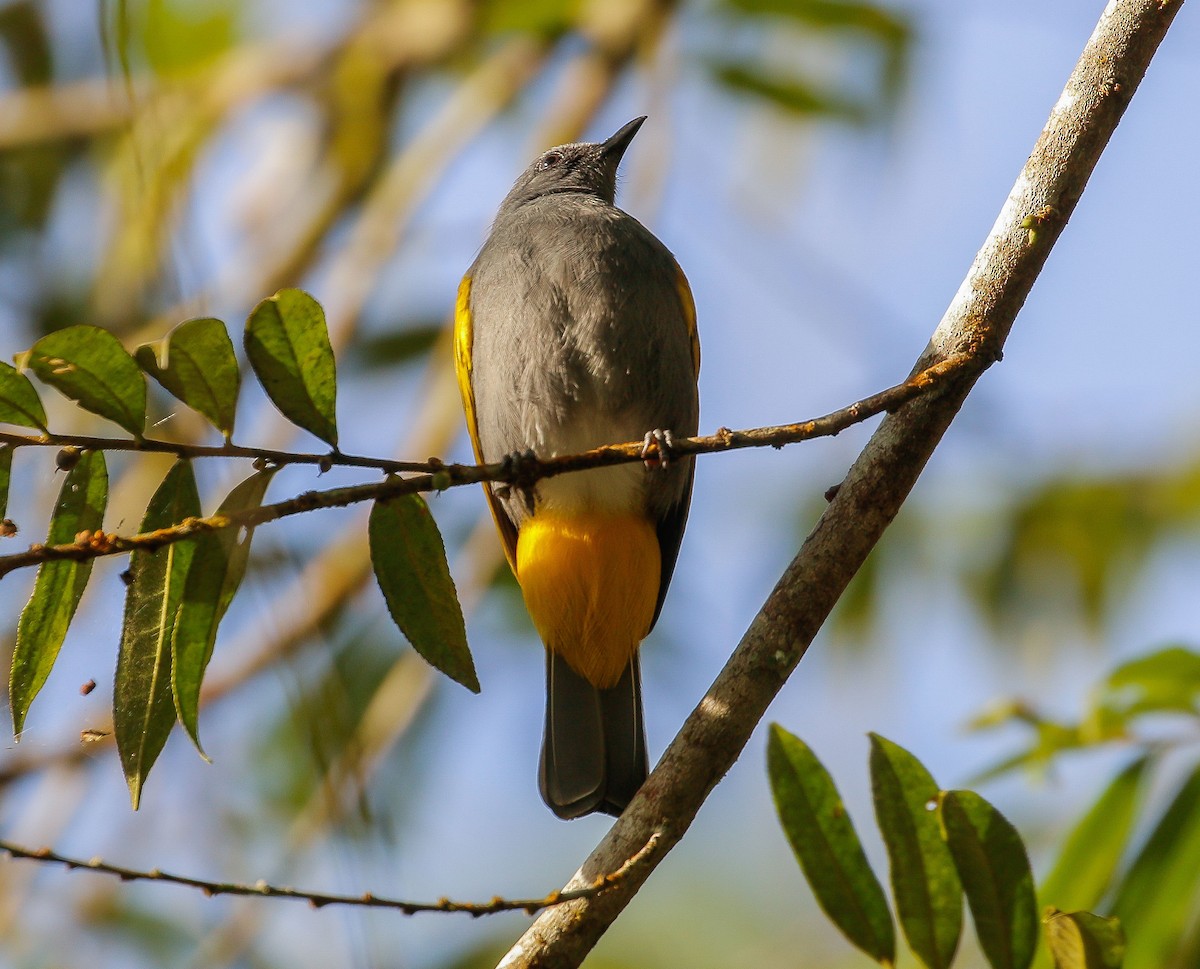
594 750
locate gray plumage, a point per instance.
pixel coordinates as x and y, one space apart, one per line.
580 338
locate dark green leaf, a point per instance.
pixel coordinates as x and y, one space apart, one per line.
410 566
27 47
996 876
143 711
398 346
217 568
19 402
90 366
1156 899
6 455
1081 940
196 363
827 846
1090 854
287 343
59 584
794 94
925 885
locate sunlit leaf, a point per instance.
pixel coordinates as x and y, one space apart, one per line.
217 568
287 343
179 35
410 566
925 885
1157 897
59 584
827 846
548 18
143 711
995 874
19 402
1166 681
196 363
1081 940
89 365
1090 854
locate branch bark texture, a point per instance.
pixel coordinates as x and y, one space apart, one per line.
977 323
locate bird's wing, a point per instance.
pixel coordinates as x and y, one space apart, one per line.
463 337
670 526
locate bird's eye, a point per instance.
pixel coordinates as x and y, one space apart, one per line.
550 159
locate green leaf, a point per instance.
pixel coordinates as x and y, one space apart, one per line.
196 363
1081 940
143 711
19 402
217 568
6 455
89 365
793 94
1157 896
59 584
1091 852
996 876
410 566
287 343
929 897
827 847
1166 681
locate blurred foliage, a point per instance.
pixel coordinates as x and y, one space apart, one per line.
1128 854
1069 548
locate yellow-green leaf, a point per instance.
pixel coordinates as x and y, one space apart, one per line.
89 365
19 401
410 566
196 363
217 568
59 584
925 885
287 343
1081 940
1156 899
827 846
143 710
1083 873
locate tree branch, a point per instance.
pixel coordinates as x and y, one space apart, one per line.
602 883
977 323
437 476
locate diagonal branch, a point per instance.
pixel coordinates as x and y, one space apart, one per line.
977 323
437 476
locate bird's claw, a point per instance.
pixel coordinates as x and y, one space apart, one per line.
658 449
519 468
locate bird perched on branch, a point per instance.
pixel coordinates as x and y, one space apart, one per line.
574 328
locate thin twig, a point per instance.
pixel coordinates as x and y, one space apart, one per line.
602 883
521 474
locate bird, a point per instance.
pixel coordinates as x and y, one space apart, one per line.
575 327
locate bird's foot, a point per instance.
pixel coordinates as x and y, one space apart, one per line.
658 449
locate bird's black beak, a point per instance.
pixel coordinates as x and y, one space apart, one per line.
616 145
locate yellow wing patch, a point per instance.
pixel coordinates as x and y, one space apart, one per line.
463 367
689 312
462 357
